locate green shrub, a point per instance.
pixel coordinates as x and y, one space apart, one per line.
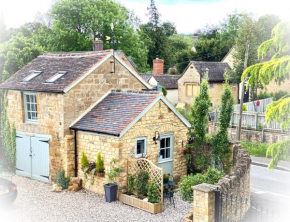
164 91
256 148
153 192
186 183
131 184
211 176
278 95
62 180
84 160
100 164
141 183
114 171
244 107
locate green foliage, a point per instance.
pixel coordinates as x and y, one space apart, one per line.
255 148
211 176
277 69
114 170
276 95
131 184
153 192
164 91
244 108
62 180
141 183
100 164
84 160
220 142
199 122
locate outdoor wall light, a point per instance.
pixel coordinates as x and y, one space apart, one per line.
190 140
156 137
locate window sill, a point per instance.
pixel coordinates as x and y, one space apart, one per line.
30 122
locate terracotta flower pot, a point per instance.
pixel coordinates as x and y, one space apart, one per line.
100 174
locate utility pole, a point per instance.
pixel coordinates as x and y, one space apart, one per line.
243 92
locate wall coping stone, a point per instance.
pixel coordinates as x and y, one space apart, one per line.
204 187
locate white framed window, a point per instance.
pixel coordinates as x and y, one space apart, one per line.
211 85
140 147
30 107
234 84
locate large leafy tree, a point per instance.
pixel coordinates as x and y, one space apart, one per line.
77 22
277 69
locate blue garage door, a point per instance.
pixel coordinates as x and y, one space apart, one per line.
32 155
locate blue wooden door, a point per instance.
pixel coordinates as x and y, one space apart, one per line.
23 156
40 159
166 153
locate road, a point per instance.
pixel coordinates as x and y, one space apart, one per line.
271 190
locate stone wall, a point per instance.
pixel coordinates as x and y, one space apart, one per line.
50 122
237 183
252 135
159 118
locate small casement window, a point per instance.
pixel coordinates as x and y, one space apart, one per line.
140 147
211 85
30 106
191 89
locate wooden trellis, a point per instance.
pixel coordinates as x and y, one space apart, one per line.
155 172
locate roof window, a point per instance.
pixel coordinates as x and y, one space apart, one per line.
31 76
56 77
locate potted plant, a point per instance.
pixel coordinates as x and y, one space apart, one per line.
111 187
100 169
166 178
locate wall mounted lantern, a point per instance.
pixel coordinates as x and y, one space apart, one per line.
156 137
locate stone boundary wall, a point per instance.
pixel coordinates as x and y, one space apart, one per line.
237 183
253 135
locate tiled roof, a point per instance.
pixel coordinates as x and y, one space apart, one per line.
168 81
76 64
146 77
116 111
215 70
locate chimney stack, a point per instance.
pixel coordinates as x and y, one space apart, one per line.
97 45
158 66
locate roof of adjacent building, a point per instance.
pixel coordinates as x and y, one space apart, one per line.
119 110
168 81
75 64
215 70
146 77
116 111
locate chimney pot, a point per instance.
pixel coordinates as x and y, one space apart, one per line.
158 66
97 45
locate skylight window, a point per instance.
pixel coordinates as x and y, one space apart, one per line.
56 77
31 76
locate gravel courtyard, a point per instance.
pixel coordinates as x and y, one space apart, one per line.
36 202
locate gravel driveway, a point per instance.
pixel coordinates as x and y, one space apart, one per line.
36 202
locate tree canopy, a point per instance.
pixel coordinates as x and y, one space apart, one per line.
277 69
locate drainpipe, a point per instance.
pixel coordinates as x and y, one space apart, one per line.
76 154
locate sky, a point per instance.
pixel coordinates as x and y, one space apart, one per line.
188 15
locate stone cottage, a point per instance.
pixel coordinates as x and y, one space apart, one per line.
122 125
189 82
49 93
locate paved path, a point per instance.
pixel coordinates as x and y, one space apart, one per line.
36 203
271 190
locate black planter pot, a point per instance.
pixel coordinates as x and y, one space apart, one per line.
111 192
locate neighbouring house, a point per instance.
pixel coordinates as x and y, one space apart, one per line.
122 125
49 93
165 80
189 82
